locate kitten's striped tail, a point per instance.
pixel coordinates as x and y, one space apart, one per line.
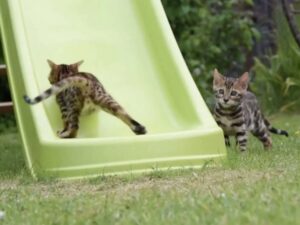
275 130
74 81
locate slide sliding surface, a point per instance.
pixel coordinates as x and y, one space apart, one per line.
129 46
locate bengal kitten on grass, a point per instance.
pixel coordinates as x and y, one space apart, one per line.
237 111
75 91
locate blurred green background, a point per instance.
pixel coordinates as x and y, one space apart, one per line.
234 36
237 36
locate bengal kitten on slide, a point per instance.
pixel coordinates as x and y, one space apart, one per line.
237 111
76 90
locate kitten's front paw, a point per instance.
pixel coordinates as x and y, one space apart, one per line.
243 150
59 132
268 147
67 133
63 134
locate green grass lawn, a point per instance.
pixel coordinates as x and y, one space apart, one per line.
257 187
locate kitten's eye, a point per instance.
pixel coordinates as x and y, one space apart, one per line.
233 93
221 91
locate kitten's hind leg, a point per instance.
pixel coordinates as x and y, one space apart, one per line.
136 127
64 112
72 125
71 132
74 107
65 127
109 105
264 136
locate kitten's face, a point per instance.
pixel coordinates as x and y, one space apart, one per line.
229 91
59 72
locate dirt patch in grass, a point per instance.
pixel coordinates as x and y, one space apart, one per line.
212 180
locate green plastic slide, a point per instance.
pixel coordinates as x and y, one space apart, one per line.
129 46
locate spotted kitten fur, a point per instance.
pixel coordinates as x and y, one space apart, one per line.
237 111
74 90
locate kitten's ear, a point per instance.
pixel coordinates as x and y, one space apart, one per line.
77 64
217 77
51 64
244 80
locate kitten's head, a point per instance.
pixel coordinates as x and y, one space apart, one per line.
61 71
229 91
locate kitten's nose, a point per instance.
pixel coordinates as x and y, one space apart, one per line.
226 100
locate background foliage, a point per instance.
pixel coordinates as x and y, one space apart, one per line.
221 34
212 34
279 83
